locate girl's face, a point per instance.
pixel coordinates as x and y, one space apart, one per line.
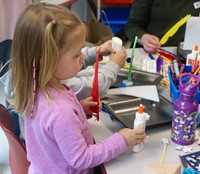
70 61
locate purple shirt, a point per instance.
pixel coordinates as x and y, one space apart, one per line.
59 139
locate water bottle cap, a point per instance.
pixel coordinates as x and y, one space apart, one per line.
189 84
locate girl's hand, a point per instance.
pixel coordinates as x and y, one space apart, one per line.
133 136
106 48
87 104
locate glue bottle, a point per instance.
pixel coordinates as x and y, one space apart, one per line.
139 123
192 55
117 44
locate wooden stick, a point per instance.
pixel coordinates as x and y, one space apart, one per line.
197 70
165 141
163 154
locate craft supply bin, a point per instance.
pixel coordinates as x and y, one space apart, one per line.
115 17
174 91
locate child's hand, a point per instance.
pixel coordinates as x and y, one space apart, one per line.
87 104
133 136
106 48
119 58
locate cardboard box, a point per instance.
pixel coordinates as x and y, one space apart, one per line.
162 169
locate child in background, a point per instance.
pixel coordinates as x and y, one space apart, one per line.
47 49
107 74
90 53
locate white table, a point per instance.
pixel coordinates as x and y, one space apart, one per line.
130 162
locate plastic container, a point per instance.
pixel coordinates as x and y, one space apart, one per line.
174 91
115 17
117 44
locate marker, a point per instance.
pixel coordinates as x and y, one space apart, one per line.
175 63
182 68
173 73
172 67
151 56
194 65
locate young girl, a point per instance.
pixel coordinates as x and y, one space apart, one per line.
47 49
81 84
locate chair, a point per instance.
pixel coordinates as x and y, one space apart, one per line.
5 47
6 118
17 152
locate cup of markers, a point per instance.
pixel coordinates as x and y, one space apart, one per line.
174 72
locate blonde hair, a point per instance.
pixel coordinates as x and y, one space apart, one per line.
39 35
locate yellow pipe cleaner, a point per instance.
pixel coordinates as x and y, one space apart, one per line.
174 29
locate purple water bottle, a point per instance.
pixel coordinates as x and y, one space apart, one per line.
185 111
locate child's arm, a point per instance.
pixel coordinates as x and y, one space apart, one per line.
90 53
82 83
75 141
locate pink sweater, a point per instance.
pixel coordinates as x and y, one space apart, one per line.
9 12
59 138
